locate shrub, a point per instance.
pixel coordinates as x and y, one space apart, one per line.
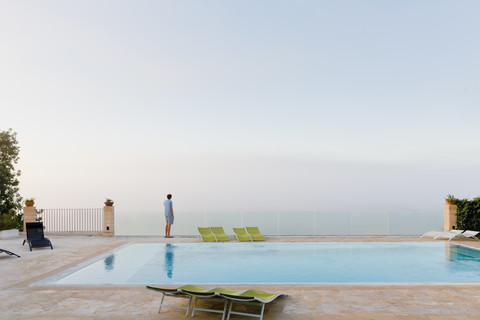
468 214
11 220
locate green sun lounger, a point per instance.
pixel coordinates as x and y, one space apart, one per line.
217 297
251 297
178 293
223 295
206 234
242 235
255 234
196 293
220 235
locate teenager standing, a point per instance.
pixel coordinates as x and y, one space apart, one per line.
168 215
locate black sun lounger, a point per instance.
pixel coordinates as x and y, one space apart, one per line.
9 253
35 236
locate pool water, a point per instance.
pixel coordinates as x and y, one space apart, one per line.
300 262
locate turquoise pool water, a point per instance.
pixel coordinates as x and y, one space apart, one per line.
300 262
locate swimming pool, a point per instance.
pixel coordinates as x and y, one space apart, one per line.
300 262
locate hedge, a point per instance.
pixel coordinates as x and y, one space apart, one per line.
468 214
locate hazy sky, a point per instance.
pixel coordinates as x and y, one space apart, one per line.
243 105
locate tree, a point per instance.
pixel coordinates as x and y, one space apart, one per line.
10 199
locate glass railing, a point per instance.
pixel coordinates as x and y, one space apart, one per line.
298 223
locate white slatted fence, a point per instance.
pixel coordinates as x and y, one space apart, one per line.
74 220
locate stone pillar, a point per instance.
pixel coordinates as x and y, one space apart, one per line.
29 215
108 221
450 217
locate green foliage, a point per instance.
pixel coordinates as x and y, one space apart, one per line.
39 218
468 214
11 220
450 198
30 200
108 200
10 199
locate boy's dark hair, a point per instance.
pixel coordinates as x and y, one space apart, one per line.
169 196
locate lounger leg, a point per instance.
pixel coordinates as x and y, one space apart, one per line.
263 309
225 309
161 302
189 305
452 237
229 310
24 242
194 306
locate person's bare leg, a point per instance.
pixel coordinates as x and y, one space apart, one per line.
166 230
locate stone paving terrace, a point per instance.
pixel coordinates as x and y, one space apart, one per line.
23 296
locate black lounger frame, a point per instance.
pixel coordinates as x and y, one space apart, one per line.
35 236
9 253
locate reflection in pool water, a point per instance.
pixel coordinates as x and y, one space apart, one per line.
109 262
169 256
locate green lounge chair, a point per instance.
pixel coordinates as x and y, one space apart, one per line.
255 234
242 235
206 234
251 297
219 234
217 297
197 293
224 295
178 293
